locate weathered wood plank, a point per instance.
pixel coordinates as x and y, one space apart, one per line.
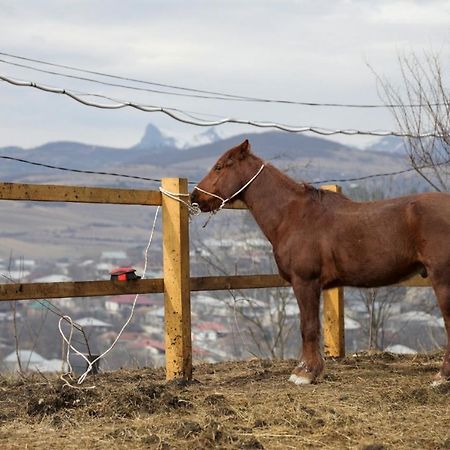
221 283
333 322
333 312
100 288
32 291
177 303
78 194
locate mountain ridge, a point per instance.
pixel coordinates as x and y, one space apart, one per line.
159 155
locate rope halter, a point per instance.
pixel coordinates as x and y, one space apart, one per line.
226 200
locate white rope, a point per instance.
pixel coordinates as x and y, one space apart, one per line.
226 200
69 319
194 209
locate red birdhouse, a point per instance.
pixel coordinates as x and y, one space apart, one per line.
124 274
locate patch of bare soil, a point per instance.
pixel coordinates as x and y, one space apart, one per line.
369 402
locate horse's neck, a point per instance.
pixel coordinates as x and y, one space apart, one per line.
268 197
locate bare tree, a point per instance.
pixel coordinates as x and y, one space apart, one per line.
269 334
421 106
379 304
264 332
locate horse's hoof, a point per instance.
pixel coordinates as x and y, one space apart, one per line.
299 380
439 379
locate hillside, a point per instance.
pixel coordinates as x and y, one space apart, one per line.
158 156
365 401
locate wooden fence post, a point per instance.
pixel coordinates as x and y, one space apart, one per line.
177 303
333 322
333 313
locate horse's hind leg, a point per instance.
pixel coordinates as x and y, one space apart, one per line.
442 289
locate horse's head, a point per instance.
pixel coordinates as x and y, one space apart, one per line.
228 175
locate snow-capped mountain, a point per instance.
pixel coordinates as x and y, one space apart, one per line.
388 144
154 138
209 136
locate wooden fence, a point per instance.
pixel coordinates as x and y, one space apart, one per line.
176 283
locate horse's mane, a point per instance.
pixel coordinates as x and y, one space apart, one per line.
320 195
323 195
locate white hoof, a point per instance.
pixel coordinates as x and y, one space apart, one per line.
439 380
299 380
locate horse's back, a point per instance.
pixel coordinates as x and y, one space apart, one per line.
381 242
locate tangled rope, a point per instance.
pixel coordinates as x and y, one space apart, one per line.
68 340
193 208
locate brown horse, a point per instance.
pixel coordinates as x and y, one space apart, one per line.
322 239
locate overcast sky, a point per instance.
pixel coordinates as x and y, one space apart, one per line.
317 51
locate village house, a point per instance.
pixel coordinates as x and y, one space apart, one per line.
31 361
123 303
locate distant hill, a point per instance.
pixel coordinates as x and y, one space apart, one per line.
158 155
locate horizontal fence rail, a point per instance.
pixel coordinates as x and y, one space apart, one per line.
103 288
176 283
78 194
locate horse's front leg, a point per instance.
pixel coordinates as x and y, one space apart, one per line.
310 364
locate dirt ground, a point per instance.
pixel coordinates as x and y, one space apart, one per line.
369 402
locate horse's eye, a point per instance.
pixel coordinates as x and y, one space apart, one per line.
218 168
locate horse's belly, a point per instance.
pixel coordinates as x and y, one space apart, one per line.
371 264
376 275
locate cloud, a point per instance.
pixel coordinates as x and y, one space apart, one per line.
403 12
314 51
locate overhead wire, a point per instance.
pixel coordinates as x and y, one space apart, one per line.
334 180
206 94
180 116
384 174
118 77
91 172
123 86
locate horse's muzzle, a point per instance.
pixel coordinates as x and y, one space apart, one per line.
195 199
205 203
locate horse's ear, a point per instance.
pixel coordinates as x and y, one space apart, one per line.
244 149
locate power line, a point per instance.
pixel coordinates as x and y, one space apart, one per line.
92 172
123 86
185 118
214 95
367 177
67 169
386 174
118 77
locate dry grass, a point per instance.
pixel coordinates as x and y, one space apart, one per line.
368 402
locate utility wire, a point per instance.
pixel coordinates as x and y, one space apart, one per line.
123 86
215 95
180 116
118 77
91 172
386 174
366 177
339 180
